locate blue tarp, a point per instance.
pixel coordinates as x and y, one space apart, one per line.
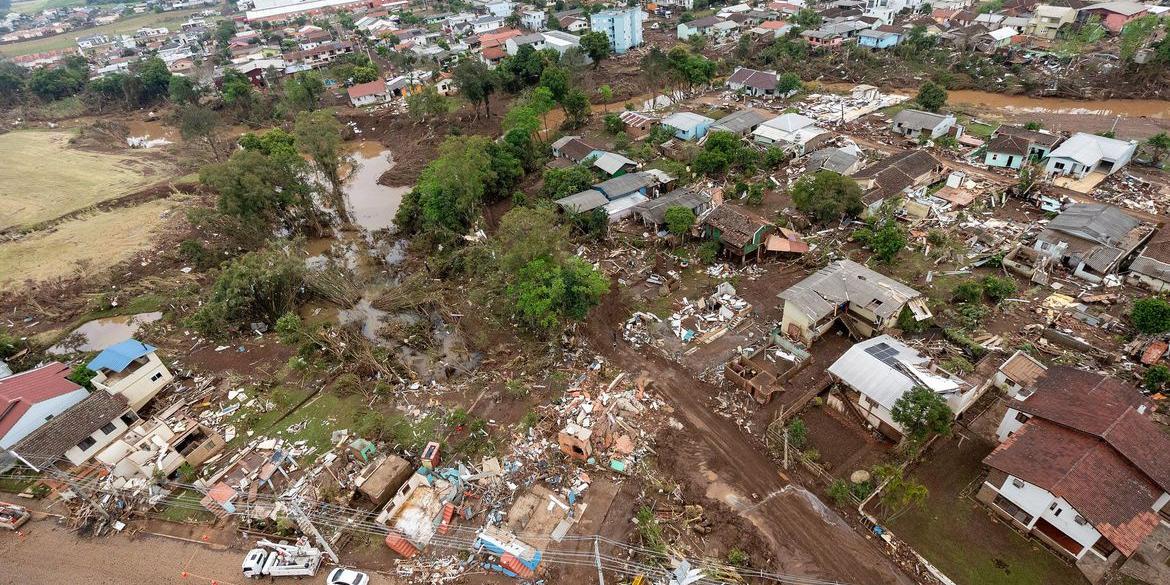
116 357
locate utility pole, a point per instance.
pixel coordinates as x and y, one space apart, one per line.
306 525
597 559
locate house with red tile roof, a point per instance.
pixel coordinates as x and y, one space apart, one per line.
1082 467
29 399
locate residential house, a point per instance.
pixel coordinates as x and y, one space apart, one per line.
496 39
1011 146
792 132
78 433
32 398
906 174
617 197
1048 19
1085 153
1094 240
741 123
879 39
131 369
1081 467
772 29
864 301
637 124
159 447
877 372
1151 268
653 212
535 20
995 40
843 161
486 24
917 123
835 34
534 40
492 56
1114 15
321 55
752 82
368 94
623 27
614 164
885 10
1018 373
573 23
572 148
405 85
688 125
738 231
702 26
561 41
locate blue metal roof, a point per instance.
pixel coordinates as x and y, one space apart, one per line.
116 357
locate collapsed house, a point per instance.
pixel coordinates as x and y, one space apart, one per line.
907 173
1081 467
920 124
864 301
131 368
1151 268
159 447
877 372
739 231
1094 240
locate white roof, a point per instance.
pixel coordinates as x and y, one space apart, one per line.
1002 34
789 122
617 206
883 369
1089 149
611 162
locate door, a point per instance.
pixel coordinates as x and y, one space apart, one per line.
1011 159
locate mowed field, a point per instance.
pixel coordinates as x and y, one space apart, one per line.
44 178
36 6
85 245
171 20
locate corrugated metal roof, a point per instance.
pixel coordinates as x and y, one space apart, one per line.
846 281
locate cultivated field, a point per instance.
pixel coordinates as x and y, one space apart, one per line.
43 177
36 6
122 26
84 245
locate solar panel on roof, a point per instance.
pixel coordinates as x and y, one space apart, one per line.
883 352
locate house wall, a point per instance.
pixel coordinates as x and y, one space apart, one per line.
1040 503
1008 425
877 415
1150 282
77 456
999 159
38 414
140 385
1070 167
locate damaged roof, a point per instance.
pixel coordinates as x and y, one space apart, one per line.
846 281
1094 222
69 428
838 160
654 210
896 173
737 226
740 122
919 120
1090 149
1154 261
765 80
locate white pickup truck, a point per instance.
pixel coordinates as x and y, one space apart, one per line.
281 560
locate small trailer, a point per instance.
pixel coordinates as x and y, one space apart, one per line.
280 559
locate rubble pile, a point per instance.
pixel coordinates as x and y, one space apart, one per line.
708 317
1131 192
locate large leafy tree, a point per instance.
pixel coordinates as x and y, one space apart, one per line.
546 293
922 412
931 96
318 136
476 82
827 196
559 183
596 45
1150 315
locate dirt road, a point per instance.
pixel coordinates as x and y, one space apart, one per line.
715 459
48 553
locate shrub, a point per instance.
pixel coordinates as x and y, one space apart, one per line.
1151 315
797 434
679 220
193 251
708 252
969 292
958 365
1156 377
737 557
82 376
347 384
885 238
839 492
259 286
997 288
908 324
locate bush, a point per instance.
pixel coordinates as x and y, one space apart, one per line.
288 328
839 492
347 384
1156 377
797 434
886 239
969 292
970 315
256 287
959 365
708 252
1150 315
998 289
614 124
908 324
193 251
921 412
737 557
826 196
82 376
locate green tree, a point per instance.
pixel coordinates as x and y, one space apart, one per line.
885 237
303 92
1159 146
931 96
527 234
224 31
807 18
827 196
899 494
556 79
450 190
50 84
1156 377
997 288
596 45
254 186
318 136
428 104
679 220
256 287
922 412
788 82
1134 36
560 183
182 90
155 78
577 109
1150 315
614 123
475 82
546 294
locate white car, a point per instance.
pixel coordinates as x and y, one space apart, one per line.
341 576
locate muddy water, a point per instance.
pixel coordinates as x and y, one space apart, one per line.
1024 104
364 314
99 334
372 206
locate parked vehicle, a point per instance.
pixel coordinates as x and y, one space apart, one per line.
281 560
12 516
341 576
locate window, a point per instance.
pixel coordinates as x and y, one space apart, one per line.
129 418
1012 510
86 443
1080 520
1019 483
109 428
156 376
1021 417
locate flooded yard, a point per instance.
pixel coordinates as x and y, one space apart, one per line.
99 334
371 205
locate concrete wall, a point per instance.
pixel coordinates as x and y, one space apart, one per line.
140 385
77 456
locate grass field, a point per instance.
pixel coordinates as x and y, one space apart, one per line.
88 244
36 6
43 177
63 41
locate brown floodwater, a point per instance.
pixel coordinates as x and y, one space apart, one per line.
1024 104
371 205
99 334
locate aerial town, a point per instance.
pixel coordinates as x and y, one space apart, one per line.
644 292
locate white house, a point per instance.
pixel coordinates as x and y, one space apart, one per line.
534 20
916 123
879 371
1081 467
78 433
793 132
1085 153
130 369
30 399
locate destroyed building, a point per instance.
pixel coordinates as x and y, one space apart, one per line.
907 173
1094 240
864 301
1151 268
